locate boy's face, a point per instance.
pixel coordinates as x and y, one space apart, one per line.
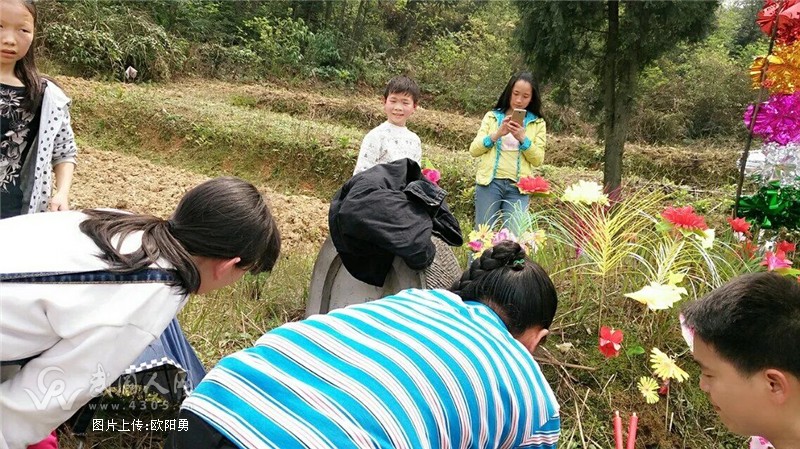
398 108
742 402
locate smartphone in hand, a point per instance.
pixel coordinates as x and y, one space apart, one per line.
518 116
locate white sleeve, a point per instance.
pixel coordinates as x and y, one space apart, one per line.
418 149
370 153
54 385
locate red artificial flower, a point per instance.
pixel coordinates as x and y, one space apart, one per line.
776 261
533 184
664 390
739 225
432 175
786 247
748 250
685 218
610 341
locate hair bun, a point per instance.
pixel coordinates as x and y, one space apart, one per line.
504 254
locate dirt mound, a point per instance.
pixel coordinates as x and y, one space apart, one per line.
109 179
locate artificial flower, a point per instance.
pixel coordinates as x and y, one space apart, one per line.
773 206
480 239
583 192
610 341
484 233
706 238
533 185
658 296
760 443
476 246
648 387
534 241
748 249
739 225
782 70
503 234
432 175
788 19
775 261
687 332
684 218
664 389
665 367
778 119
786 247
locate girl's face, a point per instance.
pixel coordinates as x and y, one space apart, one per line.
521 94
16 31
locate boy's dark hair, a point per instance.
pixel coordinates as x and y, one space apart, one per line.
220 218
535 106
519 290
753 321
25 69
402 85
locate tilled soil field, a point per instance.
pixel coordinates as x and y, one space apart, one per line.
109 179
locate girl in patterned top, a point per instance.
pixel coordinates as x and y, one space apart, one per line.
36 134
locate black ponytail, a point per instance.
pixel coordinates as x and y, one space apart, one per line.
519 290
221 218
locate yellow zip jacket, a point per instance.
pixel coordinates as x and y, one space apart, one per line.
530 154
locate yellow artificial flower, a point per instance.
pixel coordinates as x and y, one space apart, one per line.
483 233
665 367
586 193
649 389
534 240
658 296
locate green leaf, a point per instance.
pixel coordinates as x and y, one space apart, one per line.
635 350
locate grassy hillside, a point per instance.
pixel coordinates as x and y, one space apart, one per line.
252 131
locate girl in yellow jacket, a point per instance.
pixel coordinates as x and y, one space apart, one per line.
507 150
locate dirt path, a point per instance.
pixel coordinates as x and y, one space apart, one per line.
109 179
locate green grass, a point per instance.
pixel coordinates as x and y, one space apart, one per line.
233 318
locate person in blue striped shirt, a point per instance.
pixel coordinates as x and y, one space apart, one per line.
419 369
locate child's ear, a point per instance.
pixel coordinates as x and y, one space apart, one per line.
224 266
780 386
532 337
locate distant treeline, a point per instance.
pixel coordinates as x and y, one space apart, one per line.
460 51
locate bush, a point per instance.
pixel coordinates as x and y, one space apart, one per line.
466 70
217 61
100 40
699 94
281 41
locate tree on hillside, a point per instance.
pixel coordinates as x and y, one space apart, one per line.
616 40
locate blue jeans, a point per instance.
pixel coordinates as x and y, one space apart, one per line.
497 201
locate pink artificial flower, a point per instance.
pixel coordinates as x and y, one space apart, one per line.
775 261
475 245
432 175
739 225
503 234
684 218
777 120
760 443
786 247
610 341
